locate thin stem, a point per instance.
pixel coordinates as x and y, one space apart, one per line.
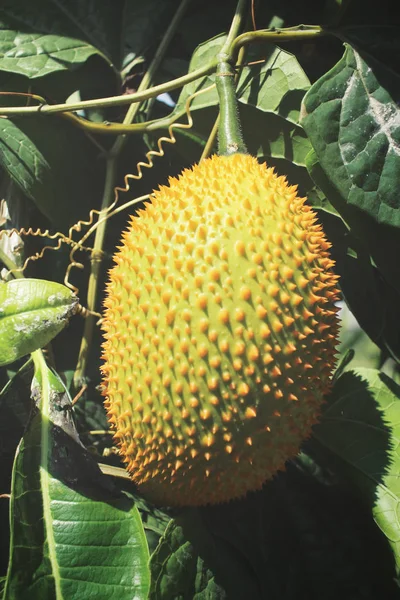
95 263
149 75
301 32
114 100
108 197
121 128
236 25
10 264
211 140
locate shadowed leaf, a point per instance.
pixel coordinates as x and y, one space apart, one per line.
361 426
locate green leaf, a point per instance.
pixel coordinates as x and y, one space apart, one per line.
63 184
360 426
145 22
32 312
269 96
15 408
277 85
380 42
370 287
180 566
73 535
282 543
45 36
354 126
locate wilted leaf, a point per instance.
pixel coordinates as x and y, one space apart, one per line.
73 534
360 425
354 126
32 312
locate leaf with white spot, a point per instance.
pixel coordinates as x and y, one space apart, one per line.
32 312
353 122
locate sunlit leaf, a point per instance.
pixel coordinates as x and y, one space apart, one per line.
45 36
32 312
353 123
73 535
269 95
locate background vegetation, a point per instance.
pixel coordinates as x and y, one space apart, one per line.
321 105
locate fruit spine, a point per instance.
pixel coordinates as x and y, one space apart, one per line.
220 332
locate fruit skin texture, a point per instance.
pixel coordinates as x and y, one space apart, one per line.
220 332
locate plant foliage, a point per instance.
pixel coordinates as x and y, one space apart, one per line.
91 91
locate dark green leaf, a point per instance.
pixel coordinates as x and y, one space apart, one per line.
63 183
73 534
145 22
180 566
381 42
32 312
282 543
354 126
369 291
45 36
15 408
360 426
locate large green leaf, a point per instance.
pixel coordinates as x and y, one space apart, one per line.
282 543
371 287
269 95
182 565
179 572
353 123
361 426
41 37
73 535
32 312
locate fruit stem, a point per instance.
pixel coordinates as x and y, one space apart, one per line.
230 138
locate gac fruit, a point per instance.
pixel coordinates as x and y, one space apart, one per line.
220 332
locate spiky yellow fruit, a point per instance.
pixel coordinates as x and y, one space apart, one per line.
220 330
